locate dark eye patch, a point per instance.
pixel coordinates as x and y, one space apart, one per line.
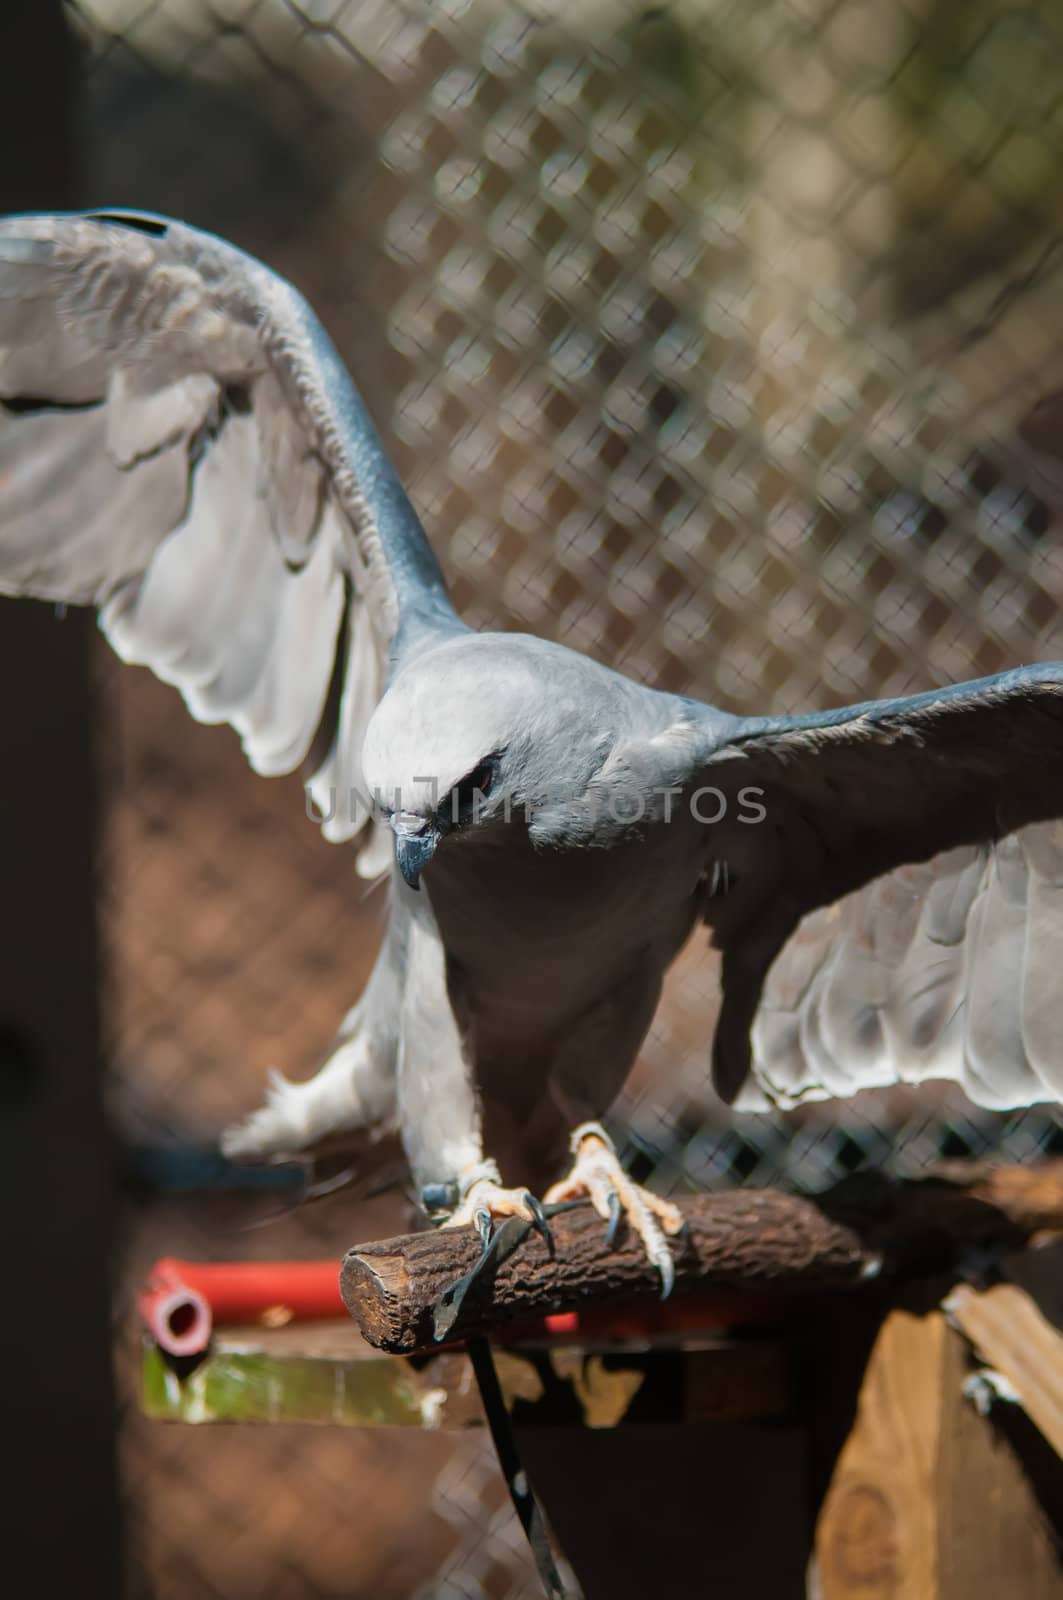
478 782
460 803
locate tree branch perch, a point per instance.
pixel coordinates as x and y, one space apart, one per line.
757 1241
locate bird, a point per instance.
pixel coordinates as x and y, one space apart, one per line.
182 448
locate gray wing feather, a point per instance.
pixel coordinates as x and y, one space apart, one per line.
1042 980
994 1053
854 798
181 447
944 969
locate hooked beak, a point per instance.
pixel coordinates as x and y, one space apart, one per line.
415 845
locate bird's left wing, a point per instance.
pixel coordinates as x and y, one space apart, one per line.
181 446
947 968
846 797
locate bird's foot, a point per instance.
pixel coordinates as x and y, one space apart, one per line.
597 1174
482 1200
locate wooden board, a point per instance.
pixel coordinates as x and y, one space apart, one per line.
677 1513
1012 1337
326 1373
927 1500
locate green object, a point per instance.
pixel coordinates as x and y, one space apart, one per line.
242 1383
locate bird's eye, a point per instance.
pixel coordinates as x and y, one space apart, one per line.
482 779
478 782
475 786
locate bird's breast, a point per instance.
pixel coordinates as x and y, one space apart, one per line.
536 935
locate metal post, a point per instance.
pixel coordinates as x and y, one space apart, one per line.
59 1507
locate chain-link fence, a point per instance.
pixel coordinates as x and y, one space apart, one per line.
707 338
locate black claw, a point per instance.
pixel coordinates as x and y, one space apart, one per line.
482 1219
667 1270
539 1222
616 1211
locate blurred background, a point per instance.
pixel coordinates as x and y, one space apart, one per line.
719 339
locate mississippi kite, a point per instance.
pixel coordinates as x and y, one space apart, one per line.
181 448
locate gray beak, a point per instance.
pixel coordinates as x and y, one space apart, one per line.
415 844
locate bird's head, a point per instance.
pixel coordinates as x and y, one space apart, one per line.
452 746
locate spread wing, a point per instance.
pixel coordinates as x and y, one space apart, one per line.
849 797
946 969
181 447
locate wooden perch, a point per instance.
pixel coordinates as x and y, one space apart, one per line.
1015 1330
748 1240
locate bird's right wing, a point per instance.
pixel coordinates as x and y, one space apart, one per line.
948 968
851 796
181 447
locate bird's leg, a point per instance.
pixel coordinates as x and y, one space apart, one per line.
439 1108
481 1199
597 1174
522 1212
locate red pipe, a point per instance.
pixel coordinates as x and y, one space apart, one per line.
181 1300
708 1311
